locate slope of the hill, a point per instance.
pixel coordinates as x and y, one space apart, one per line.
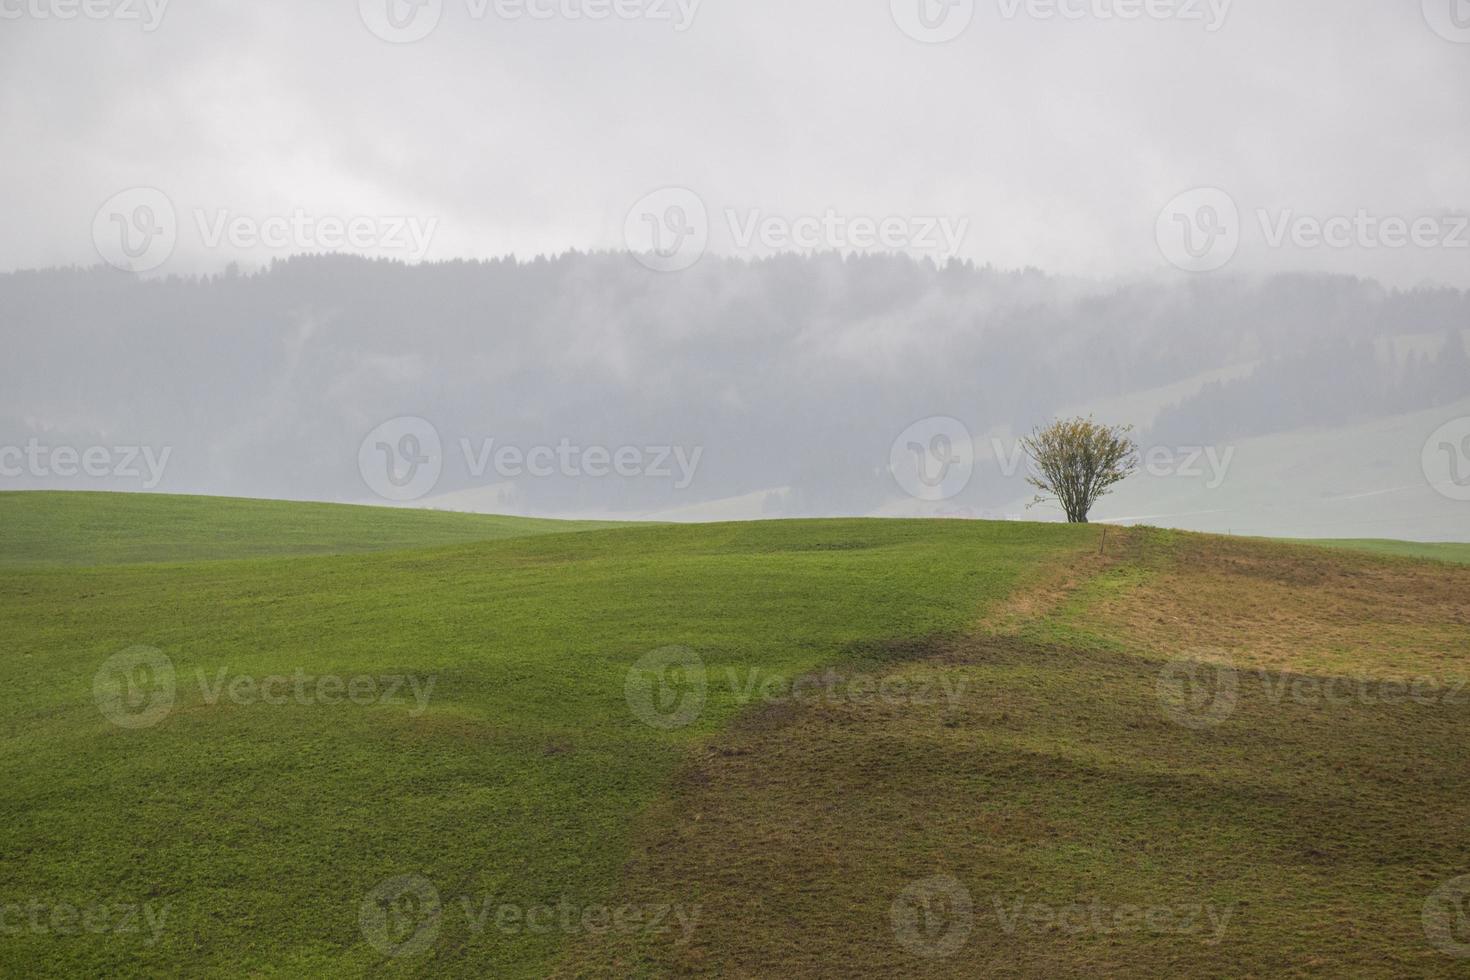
1196 757
1438 551
259 756
39 528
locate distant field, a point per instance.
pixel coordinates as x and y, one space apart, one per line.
912 747
1405 549
111 528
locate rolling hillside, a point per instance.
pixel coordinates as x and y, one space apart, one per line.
109 529
305 740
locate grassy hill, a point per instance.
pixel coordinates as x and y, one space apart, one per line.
38 528
1438 551
826 747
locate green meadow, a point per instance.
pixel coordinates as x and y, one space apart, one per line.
252 738
262 827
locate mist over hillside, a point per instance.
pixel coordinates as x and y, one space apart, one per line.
790 386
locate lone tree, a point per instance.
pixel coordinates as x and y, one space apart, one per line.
1076 461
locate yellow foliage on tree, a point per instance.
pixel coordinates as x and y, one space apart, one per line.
1076 461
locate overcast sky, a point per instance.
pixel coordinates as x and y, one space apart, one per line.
1024 140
